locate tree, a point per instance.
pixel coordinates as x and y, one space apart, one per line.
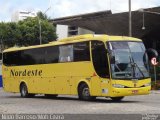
30 31
26 32
9 33
42 16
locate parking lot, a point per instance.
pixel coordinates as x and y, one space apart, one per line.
13 103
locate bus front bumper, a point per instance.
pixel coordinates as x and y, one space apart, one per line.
117 92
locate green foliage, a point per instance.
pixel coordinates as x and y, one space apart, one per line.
42 16
27 32
7 31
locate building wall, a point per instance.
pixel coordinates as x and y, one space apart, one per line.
84 31
21 15
62 31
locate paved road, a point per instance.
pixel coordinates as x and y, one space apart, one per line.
12 103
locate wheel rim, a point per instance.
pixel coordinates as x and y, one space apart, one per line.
85 92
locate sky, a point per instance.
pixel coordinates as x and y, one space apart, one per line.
63 8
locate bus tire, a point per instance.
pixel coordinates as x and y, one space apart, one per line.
50 95
24 91
84 93
116 99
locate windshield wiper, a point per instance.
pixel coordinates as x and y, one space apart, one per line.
133 65
118 67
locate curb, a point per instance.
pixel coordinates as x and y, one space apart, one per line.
155 91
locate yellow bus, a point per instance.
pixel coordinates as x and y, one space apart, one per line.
88 65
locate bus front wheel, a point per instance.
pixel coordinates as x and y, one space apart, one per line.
116 99
24 91
84 93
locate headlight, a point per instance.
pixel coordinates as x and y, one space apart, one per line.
118 86
148 84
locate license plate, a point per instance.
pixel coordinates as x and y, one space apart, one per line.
134 91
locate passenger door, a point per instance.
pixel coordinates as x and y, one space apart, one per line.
100 63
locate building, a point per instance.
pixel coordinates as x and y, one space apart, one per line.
21 15
64 31
145 25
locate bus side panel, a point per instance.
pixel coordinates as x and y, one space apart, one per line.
100 86
60 78
11 84
55 81
40 82
82 71
68 75
41 85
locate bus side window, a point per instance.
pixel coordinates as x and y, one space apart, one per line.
99 58
66 53
7 58
12 58
32 56
81 51
51 54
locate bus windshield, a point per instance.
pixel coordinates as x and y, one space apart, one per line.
128 60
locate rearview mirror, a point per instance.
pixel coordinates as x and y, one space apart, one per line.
151 53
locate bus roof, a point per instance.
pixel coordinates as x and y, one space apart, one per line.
78 38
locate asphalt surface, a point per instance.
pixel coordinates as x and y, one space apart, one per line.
11 103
